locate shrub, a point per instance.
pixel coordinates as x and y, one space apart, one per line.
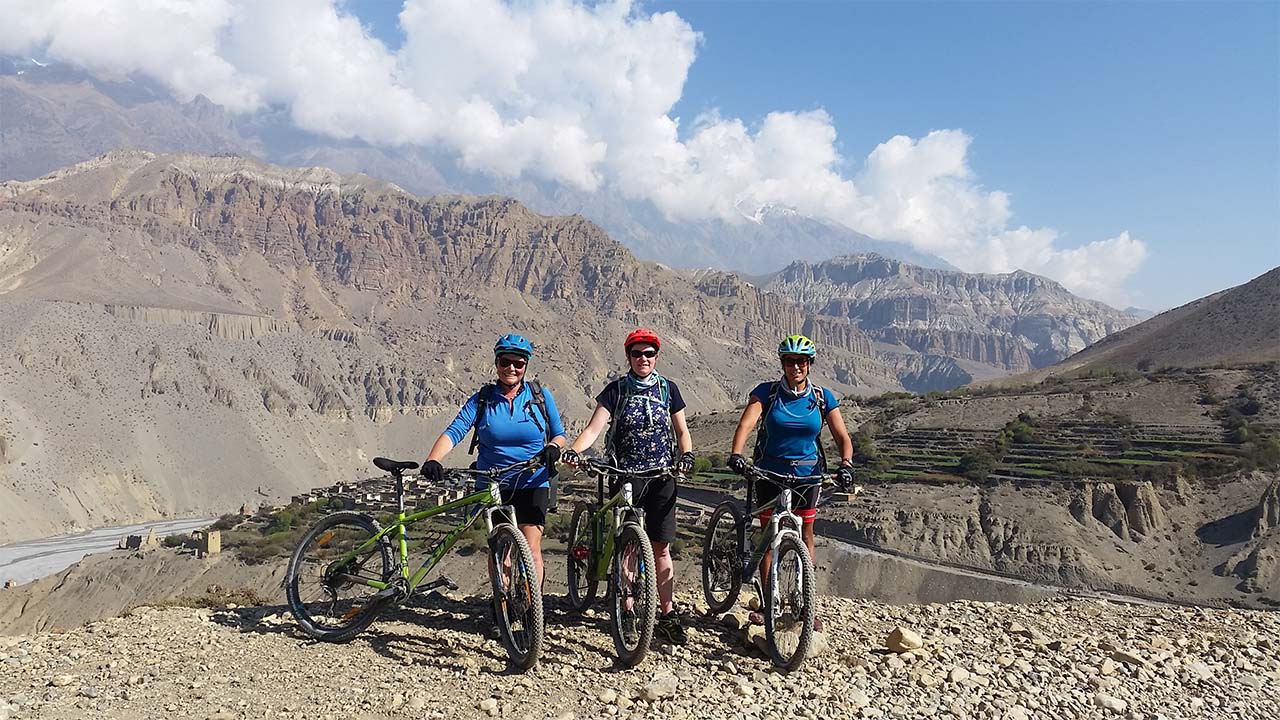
174 541
702 464
226 522
678 547
282 520
977 464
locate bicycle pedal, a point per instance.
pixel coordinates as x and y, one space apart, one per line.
440 582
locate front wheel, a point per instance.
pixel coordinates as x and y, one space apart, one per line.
634 586
789 607
517 595
581 558
721 558
328 584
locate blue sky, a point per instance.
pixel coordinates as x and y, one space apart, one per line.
1162 119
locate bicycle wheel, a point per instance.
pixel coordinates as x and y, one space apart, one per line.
634 586
517 595
581 558
325 593
721 558
790 599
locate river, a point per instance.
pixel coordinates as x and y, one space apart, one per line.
32 559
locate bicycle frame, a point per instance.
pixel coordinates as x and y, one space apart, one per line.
488 502
615 511
782 523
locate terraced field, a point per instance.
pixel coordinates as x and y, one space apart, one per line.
1054 454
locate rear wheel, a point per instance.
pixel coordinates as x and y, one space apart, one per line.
721 555
582 558
327 582
634 586
789 607
517 595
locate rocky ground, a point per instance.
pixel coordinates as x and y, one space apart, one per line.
1055 659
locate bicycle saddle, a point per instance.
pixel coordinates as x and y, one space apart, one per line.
394 466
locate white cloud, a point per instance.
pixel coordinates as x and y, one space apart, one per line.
575 93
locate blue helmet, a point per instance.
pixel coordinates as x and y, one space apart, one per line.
513 344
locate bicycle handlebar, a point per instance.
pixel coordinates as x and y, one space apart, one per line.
596 467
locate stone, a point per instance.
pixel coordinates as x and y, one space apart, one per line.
488 705
1017 712
1200 671
1107 667
1128 657
608 696
660 686
62 680
1109 702
858 699
902 639
958 675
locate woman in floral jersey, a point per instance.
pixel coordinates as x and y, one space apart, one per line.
644 414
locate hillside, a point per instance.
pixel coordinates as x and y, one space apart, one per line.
297 321
1013 322
1236 326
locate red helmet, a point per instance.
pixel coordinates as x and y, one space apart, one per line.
642 335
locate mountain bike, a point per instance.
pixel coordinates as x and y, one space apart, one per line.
730 558
348 569
607 542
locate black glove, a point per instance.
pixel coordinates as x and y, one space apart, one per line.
684 465
571 458
432 471
844 476
737 463
550 455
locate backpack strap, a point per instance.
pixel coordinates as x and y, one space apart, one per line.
540 402
482 401
664 396
820 398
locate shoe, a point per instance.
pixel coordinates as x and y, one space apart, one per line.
671 630
817 624
755 617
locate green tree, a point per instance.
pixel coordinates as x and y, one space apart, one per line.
977 464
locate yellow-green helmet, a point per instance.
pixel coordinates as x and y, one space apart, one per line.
798 345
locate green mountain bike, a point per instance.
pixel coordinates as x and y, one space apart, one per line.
348 569
607 542
731 558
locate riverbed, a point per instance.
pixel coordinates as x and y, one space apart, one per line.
26 561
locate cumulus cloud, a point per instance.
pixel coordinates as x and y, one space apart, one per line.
581 94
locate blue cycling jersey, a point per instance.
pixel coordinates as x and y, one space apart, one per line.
511 432
792 429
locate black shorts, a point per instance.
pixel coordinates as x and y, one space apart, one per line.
659 504
530 504
803 497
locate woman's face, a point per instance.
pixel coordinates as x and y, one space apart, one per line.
510 368
795 368
643 358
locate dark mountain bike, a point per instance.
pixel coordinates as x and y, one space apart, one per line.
348 569
607 542
731 558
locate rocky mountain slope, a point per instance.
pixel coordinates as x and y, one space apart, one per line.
295 320
1238 325
1014 321
1047 660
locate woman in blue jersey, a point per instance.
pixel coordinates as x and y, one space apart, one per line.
518 420
789 442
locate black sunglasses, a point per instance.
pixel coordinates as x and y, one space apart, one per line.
797 361
644 353
517 363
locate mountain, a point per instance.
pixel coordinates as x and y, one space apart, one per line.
184 333
1235 326
55 115
1013 321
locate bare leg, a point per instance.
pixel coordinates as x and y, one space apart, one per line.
806 534
533 536
666 575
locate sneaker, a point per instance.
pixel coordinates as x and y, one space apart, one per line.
755 617
671 630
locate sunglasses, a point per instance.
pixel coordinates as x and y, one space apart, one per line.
797 361
516 363
644 353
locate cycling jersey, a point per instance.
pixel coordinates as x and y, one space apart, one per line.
510 432
792 427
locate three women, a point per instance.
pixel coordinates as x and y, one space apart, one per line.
643 413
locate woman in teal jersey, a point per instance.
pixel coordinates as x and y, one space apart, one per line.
793 410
